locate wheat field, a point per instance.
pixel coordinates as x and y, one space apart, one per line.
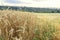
19 25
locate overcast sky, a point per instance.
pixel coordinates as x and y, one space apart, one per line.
32 3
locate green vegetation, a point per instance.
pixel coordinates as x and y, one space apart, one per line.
31 9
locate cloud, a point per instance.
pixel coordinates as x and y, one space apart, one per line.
32 3
12 1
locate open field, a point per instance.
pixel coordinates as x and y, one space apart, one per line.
19 25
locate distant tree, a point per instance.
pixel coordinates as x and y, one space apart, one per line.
52 11
58 11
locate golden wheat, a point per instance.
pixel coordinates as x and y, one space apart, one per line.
19 25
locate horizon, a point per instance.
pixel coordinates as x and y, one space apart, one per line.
31 3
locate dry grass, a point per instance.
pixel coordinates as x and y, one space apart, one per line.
20 25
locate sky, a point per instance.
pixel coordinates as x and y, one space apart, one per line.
32 3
